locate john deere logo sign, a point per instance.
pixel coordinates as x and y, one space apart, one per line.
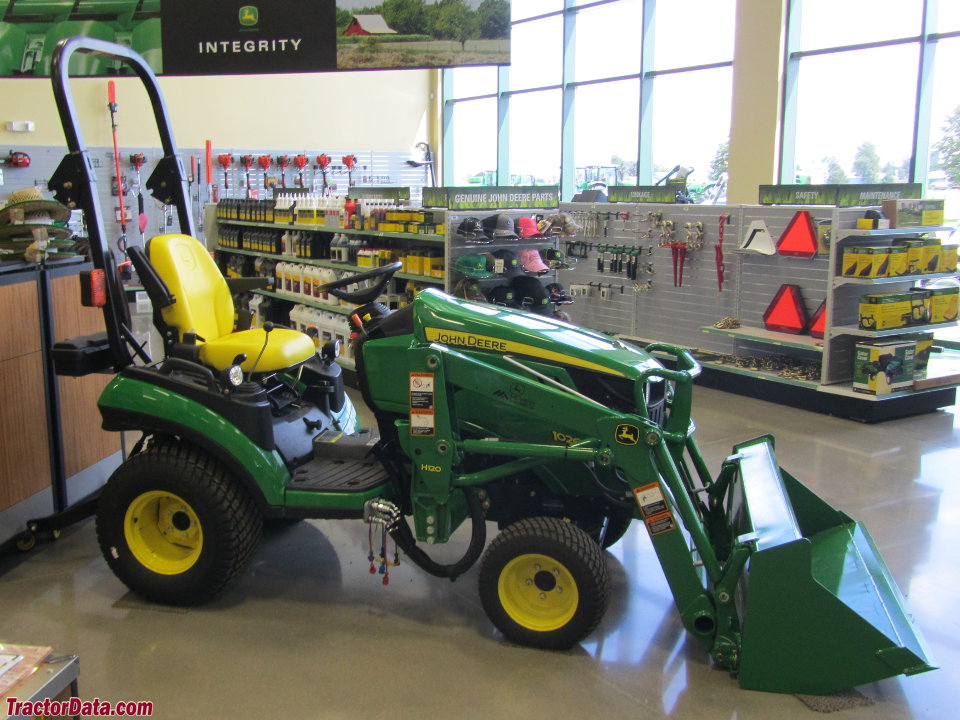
249 16
628 434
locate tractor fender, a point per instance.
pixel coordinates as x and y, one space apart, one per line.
129 404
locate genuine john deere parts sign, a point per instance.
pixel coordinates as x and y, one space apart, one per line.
494 198
232 38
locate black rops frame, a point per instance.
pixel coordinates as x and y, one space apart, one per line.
74 182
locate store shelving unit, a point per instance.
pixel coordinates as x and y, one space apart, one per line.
843 298
686 315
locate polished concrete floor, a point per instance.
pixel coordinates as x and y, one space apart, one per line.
308 633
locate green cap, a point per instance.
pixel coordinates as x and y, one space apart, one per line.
474 265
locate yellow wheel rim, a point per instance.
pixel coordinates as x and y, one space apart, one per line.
163 532
538 592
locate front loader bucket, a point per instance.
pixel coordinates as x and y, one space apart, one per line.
820 610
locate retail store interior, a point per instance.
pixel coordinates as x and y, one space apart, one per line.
616 381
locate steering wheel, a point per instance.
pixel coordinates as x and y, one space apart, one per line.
365 295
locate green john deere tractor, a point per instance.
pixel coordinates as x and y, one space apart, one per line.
560 435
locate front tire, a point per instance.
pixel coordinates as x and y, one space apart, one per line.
543 583
175 526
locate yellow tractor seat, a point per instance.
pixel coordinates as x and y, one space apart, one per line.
204 306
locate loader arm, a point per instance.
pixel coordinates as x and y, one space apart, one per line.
783 590
616 444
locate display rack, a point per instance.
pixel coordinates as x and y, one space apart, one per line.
457 247
843 294
657 307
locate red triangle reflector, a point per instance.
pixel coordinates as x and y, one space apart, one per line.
800 237
818 321
787 312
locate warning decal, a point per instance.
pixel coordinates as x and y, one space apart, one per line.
661 524
421 391
421 404
650 499
421 425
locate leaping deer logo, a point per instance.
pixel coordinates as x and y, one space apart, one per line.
249 15
627 434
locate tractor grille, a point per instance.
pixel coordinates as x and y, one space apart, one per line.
617 394
657 402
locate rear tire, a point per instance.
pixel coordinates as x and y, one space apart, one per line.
175 526
543 583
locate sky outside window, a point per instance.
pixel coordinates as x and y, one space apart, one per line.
833 120
608 40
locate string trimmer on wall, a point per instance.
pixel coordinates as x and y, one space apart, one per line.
350 161
125 267
323 161
225 160
283 162
264 162
247 162
300 161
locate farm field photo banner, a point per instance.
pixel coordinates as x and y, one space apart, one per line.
186 37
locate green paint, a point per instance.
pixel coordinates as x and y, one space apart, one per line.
136 396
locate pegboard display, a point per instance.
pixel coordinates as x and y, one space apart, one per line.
761 276
627 281
370 169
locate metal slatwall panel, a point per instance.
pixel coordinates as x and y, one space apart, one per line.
762 275
665 312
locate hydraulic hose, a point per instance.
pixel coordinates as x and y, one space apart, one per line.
403 536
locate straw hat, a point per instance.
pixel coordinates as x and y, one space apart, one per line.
27 210
30 206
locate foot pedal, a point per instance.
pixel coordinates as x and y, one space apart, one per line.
335 445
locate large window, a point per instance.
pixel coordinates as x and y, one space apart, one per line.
871 95
599 92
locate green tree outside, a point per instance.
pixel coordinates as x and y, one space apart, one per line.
948 148
835 173
866 163
718 166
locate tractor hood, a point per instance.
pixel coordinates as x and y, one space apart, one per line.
461 324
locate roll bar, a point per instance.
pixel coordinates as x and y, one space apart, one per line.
74 182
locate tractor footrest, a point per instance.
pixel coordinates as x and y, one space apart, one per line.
335 445
326 475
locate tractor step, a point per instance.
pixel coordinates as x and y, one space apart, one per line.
336 445
332 475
